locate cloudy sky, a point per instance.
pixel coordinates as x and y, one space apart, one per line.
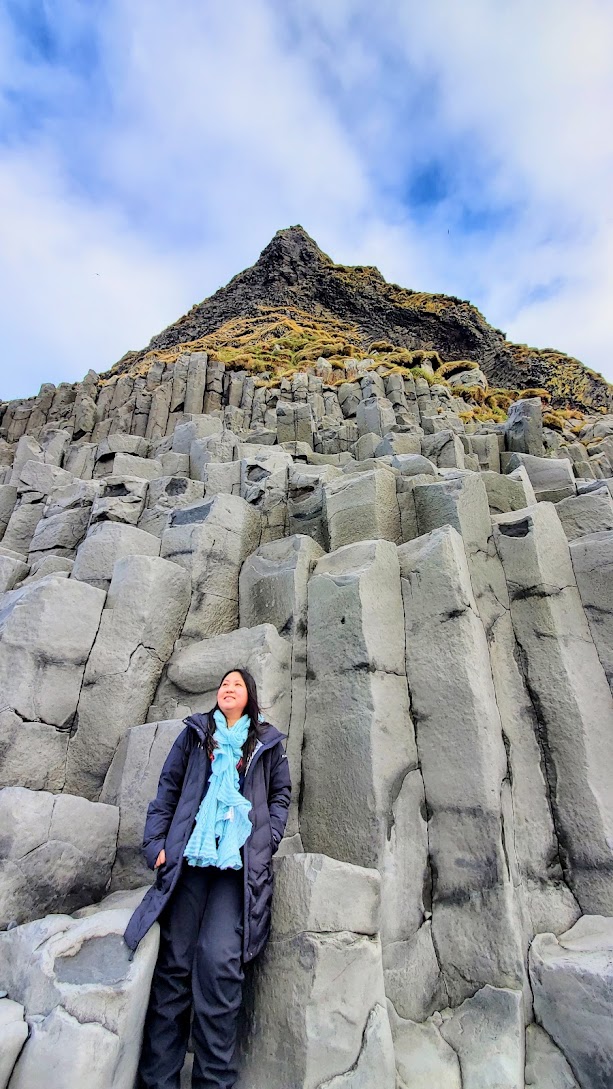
149 151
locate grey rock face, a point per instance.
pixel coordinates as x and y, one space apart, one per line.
86 416
569 687
195 381
50 451
406 485
444 449
159 411
221 477
487 1034
592 559
11 572
47 563
434 422
546 1067
532 847
165 494
423 1058
122 499
80 460
41 478
8 498
355 587
487 449
57 852
104 545
589 513
84 1000
47 630
65 519
362 506
146 605
524 427
461 733
119 443
320 894
22 524
264 485
586 486
413 464
352 683
399 444
295 423
33 753
335 438
376 415
317 994
412 470
572 981
551 478
367 444
13 1035
376 1058
131 466
349 397
273 590
211 540
174 464
336 539
217 447
473 377
131 782
306 500
506 493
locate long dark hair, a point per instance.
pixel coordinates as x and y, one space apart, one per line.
252 709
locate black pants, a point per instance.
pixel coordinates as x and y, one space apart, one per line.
199 961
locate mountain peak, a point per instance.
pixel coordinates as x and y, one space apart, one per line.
297 242
290 255
294 280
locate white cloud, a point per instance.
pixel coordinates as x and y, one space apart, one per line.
214 138
528 89
206 128
534 84
77 288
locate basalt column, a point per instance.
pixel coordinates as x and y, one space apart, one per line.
362 798
476 923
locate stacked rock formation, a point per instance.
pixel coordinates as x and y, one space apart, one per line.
426 603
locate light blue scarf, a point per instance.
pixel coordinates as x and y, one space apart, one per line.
223 812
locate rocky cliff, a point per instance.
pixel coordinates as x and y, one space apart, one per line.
417 567
293 272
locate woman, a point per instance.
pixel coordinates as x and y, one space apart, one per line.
218 818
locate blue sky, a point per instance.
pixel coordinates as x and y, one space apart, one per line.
148 152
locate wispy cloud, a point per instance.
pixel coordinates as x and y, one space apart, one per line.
147 154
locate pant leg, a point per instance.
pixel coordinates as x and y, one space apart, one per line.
166 1031
217 983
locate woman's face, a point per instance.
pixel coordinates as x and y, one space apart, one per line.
232 695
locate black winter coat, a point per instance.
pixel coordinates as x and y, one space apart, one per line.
171 816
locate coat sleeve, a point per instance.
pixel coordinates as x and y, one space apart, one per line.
161 810
279 793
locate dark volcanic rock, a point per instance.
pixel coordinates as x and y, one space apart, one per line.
293 271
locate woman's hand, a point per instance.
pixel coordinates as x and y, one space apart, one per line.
160 860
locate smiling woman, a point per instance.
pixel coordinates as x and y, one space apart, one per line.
218 818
